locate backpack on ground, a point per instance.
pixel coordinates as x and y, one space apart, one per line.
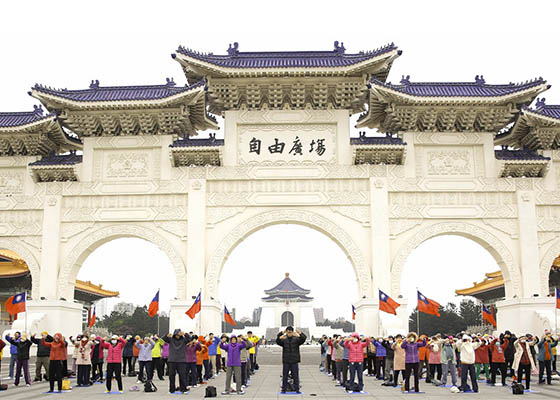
211 391
149 387
3 387
256 367
517 388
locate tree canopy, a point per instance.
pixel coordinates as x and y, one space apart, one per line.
452 319
139 323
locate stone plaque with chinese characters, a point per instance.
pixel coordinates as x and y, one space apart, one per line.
286 143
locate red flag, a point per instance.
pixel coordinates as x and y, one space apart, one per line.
92 319
387 304
16 304
488 316
195 308
427 306
154 305
227 317
353 312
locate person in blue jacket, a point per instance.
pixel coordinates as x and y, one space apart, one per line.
13 354
213 354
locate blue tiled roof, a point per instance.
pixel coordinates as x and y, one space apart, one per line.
525 154
552 111
479 88
287 297
189 142
13 119
58 159
119 93
286 59
287 285
380 140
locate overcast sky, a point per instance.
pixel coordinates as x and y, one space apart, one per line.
68 43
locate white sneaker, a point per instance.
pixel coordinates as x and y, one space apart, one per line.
27 384
362 392
138 381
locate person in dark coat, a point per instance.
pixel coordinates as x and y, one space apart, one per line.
43 355
127 354
177 360
23 345
509 352
290 342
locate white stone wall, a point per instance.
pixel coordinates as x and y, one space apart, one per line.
377 214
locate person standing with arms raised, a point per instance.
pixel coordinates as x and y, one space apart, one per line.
290 342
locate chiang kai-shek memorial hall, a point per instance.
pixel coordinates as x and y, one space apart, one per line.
474 159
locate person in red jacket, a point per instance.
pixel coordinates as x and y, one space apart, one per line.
498 349
114 360
482 358
356 358
56 358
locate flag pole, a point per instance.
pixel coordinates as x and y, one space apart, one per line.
417 313
25 311
158 314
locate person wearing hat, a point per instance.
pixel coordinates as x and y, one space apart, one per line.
399 359
114 361
22 344
177 360
233 349
545 346
97 357
482 358
145 358
290 341
467 350
82 346
57 355
127 354
448 361
356 358
43 353
523 361
509 352
412 360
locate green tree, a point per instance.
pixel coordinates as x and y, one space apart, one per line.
139 323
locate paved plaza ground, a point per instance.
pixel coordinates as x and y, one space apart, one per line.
266 385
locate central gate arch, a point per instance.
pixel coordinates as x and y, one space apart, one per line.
288 216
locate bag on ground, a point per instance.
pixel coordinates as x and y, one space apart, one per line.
517 388
149 387
66 384
211 391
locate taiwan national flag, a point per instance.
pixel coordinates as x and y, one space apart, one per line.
353 313
488 316
387 304
16 304
195 308
557 297
228 318
427 306
92 319
154 305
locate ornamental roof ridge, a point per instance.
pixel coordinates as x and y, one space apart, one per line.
58 159
287 286
541 108
478 88
288 59
9 119
95 92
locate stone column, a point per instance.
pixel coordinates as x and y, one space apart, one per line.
380 255
528 243
367 316
50 247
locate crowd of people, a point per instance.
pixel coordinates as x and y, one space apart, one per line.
439 358
186 359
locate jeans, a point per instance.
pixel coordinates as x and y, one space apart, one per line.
13 360
207 369
408 368
127 361
435 371
451 369
542 366
380 365
114 369
233 371
468 369
149 372
55 374
356 368
288 368
181 369
253 361
83 374
502 368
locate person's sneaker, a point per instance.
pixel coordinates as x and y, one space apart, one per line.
120 391
362 392
37 379
107 391
225 393
138 381
241 392
50 391
27 384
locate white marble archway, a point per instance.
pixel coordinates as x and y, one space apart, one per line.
26 254
546 262
499 250
75 258
293 216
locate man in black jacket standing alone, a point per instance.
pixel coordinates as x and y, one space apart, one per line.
290 342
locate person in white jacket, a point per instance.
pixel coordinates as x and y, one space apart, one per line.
466 347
